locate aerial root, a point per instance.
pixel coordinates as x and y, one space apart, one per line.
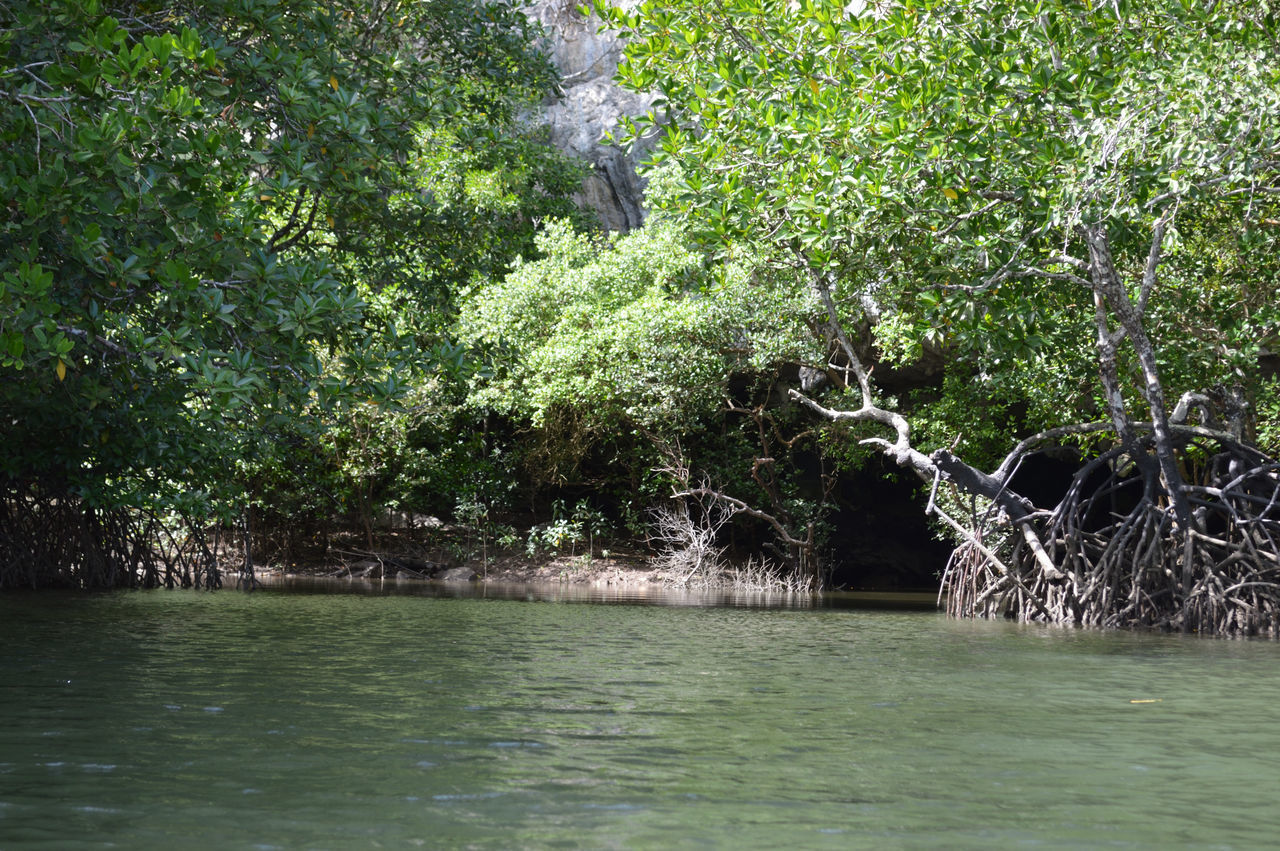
50 537
1119 559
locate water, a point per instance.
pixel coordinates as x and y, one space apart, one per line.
288 720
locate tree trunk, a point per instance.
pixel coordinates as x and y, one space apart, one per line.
1108 291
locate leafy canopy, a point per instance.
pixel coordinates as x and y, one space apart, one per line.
180 191
633 331
943 158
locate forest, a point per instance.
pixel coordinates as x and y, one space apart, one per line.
273 271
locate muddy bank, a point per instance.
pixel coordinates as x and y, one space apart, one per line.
425 563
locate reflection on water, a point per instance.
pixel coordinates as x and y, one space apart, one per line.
630 594
324 720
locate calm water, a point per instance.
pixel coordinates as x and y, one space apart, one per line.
380 720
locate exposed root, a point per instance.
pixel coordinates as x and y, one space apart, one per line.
1118 558
50 538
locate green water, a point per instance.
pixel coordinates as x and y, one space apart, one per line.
378 720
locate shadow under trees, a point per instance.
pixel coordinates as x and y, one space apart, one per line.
51 538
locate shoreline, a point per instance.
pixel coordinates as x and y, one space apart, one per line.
612 570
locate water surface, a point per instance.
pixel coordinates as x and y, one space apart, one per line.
305 720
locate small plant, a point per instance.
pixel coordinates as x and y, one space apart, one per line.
593 522
554 536
506 537
475 514
568 528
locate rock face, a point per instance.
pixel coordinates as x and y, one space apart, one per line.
591 107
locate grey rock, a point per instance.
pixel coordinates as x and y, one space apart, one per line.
591 107
367 569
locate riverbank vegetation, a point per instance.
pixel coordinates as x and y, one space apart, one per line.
1019 183
273 270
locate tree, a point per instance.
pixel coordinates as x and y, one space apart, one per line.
175 284
627 349
978 172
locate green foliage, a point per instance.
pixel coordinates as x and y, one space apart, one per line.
288 522
633 331
940 160
1268 435
603 351
567 529
187 192
475 194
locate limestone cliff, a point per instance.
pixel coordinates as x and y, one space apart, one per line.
590 107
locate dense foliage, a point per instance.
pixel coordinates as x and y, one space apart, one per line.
309 260
940 160
1014 182
634 331
615 352
204 203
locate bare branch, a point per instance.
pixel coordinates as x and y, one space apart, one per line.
1149 272
1036 272
962 217
823 291
743 508
302 230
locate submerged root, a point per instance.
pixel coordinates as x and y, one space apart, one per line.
1119 558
